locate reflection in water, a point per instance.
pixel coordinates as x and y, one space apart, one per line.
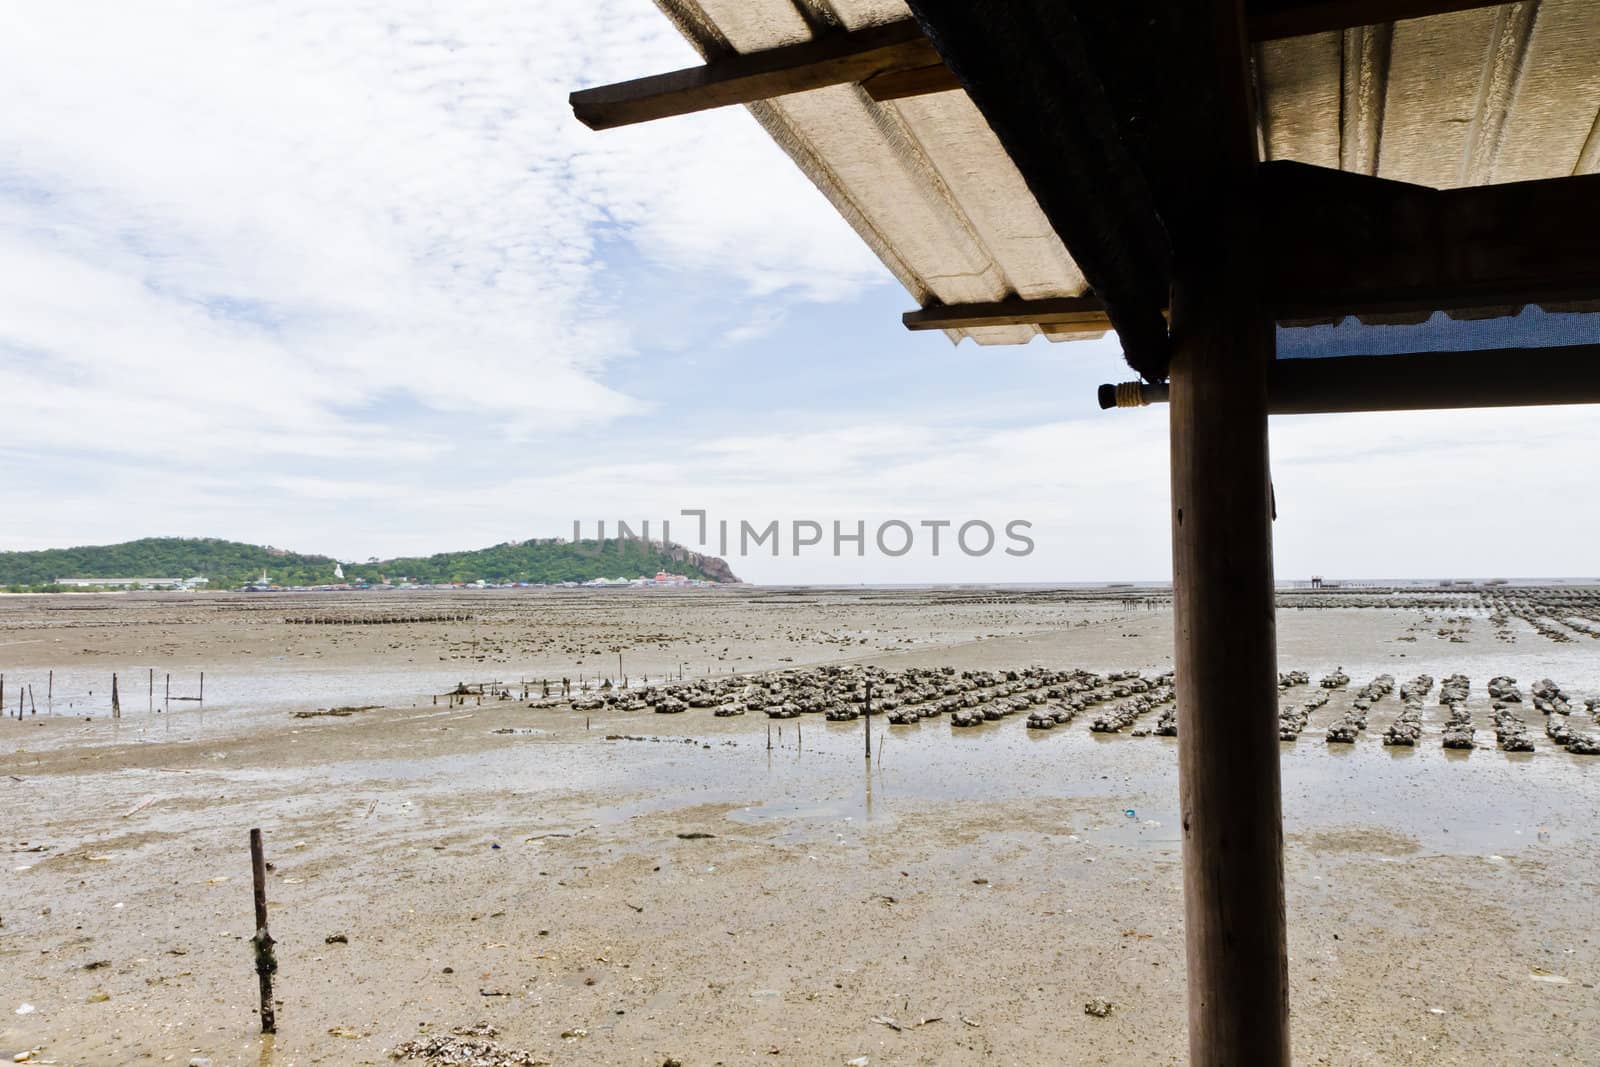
268 1041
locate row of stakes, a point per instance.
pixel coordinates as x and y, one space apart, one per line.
27 704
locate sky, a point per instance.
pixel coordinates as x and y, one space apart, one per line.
347 277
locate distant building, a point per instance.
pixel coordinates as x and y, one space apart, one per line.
129 583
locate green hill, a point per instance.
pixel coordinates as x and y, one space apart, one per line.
229 564
549 560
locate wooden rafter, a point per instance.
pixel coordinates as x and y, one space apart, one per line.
1419 381
832 59
894 61
1348 244
919 81
1384 252
1087 312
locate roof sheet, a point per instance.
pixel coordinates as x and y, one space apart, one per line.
1489 95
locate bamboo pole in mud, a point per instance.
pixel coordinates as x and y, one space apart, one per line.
50 694
116 703
152 695
169 692
266 959
32 703
2 693
202 687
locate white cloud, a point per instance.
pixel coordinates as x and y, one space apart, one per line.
236 222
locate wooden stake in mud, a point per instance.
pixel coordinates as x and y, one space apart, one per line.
867 733
50 694
116 704
32 703
202 687
169 693
152 696
266 959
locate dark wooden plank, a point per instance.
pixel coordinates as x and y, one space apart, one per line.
1422 381
832 59
1086 311
900 84
1346 244
1026 66
1273 19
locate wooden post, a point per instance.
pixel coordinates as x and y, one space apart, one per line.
202 687
33 704
1223 605
266 959
867 733
116 704
152 694
50 694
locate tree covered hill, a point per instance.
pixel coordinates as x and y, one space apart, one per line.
549 560
228 564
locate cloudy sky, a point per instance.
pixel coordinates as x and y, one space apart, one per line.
347 277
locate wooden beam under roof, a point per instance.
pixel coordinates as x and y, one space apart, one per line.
1085 311
1342 244
1349 244
1427 381
1414 381
894 61
832 59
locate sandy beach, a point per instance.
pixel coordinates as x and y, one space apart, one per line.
624 887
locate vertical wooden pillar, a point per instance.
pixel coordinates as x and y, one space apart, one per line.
1228 774
1223 598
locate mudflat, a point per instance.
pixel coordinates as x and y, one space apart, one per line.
609 884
